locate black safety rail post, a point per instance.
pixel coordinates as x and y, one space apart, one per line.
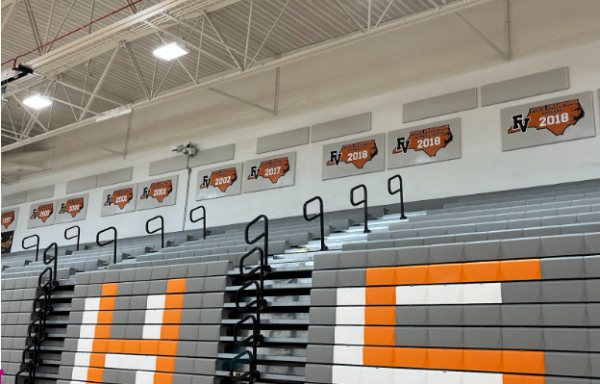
258 304
36 245
52 260
320 215
399 190
363 201
78 235
114 240
31 357
203 218
161 229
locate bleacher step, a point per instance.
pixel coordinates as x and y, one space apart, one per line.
272 340
267 358
270 377
272 321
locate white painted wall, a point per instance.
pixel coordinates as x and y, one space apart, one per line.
482 168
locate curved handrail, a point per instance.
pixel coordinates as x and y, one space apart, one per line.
399 190
258 301
54 258
262 263
363 201
203 218
320 215
264 235
161 229
78 236
249 376
36 245
254 335
114 240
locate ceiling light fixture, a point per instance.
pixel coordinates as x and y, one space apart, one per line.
38 101
170 51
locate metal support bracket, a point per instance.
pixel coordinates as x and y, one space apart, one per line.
505 55
274 111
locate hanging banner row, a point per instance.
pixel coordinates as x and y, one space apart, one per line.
255 175
118 200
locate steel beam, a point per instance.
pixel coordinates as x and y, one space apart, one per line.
385 11
248 32
269 33
349 15
244 101
92 145
34 28
163 80
485 39
30 114
277 86
186 43
200 50
69 100
369 14
508 30
100 82
195 29
137 70
59 29
8 15
119 26
49 21
223 40
301 54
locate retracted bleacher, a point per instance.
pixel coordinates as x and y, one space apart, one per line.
488 289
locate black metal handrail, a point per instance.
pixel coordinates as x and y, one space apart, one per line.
114 240
263 235
399 190
203 219
258 304
261 267
78 236
31 357
252 375
363 201
255 331
161 229
52 260
36 245
320 215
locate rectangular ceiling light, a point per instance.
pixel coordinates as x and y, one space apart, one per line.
37 101
170 51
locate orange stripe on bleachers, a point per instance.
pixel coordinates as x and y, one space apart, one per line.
110 289
526 362
512 270
380 336
380 315
176 286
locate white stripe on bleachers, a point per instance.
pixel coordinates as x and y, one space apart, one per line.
438 294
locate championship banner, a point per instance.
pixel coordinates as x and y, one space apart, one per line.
7 241
550 121
271 172
157 193
9 219
72 208
118 200
42 214
423 144
354 157
221 181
